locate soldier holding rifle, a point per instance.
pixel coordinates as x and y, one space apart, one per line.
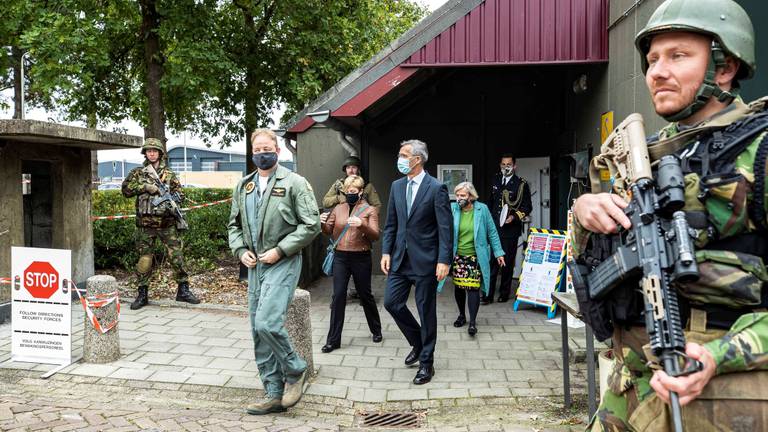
158 216
693 54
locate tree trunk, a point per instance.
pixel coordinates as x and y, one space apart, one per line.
153 59
17 82
251 97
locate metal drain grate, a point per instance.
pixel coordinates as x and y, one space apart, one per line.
391 419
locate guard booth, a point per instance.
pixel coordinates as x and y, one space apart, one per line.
45 191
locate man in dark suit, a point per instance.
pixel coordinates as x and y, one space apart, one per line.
508 188
416 250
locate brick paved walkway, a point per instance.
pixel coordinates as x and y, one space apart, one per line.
515 354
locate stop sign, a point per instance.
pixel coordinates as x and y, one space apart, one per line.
41 279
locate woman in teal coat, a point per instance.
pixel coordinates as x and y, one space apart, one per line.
474 236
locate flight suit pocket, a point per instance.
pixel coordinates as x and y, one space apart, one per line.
287 214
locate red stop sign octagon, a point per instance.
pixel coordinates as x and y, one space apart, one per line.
41 279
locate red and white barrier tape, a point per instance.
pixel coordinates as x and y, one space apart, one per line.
184 209
5 281
99 301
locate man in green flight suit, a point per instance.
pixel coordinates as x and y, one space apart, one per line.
274 216
693 53
156 222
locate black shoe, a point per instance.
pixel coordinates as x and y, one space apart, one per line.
183 294
329 347
354 295
412 357
485 301
424 375
472 330
142 298
376 338
503 300
460 321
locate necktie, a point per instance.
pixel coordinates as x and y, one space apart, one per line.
409 196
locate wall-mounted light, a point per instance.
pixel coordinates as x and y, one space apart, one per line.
320 116
580 84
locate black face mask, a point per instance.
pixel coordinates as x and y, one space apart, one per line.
462 202
352 199
265 160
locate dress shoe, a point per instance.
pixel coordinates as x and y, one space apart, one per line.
412 357
265 406
376 338
294 391
329 347
460 321
472 330
485 301
424 375
503 300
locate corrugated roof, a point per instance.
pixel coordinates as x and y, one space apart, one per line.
472 33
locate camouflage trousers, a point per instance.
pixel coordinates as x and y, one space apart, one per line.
729 402
145 242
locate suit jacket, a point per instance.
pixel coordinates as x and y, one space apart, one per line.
520 194
427 234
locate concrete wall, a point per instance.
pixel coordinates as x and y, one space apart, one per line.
72 229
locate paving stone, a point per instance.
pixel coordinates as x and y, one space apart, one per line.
331 390
407 394
228 363
208 379
167 376
192 360
132 374
158 358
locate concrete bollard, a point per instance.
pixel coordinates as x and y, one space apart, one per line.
101 347
299 325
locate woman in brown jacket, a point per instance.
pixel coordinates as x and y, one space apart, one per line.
352 257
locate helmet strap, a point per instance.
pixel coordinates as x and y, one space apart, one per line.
708 88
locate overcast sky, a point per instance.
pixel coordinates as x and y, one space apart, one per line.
134 129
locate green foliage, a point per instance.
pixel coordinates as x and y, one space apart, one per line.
227 63
204 242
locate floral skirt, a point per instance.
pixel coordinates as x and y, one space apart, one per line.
466 272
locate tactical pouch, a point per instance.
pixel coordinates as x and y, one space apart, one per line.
731 279
725 197
594 312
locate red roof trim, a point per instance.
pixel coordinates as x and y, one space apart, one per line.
374 92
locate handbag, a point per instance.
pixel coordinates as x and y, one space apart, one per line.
328 261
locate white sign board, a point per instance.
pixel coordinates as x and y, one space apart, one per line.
542 266
41 311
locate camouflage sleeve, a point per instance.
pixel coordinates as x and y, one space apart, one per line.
579 237
744 347
133 184
331 197
372 195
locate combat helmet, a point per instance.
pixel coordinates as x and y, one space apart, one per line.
152 143
731 31
351 160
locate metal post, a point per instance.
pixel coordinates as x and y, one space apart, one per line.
22 84
185 152
566 359
591 371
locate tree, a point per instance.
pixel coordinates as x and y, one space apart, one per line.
216 68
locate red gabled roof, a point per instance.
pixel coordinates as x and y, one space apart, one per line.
473 33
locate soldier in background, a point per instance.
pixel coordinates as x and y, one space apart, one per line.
156 222
335 194
693 53
510 198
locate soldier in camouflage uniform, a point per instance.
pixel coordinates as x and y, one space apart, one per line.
156 222
693 53
335 194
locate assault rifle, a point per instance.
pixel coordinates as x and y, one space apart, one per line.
166 195
656 251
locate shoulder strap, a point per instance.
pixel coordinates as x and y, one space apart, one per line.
344 231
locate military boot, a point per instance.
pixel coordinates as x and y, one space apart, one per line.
265 406
185 295
294 391
142 298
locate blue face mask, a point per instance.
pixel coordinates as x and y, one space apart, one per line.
404 165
